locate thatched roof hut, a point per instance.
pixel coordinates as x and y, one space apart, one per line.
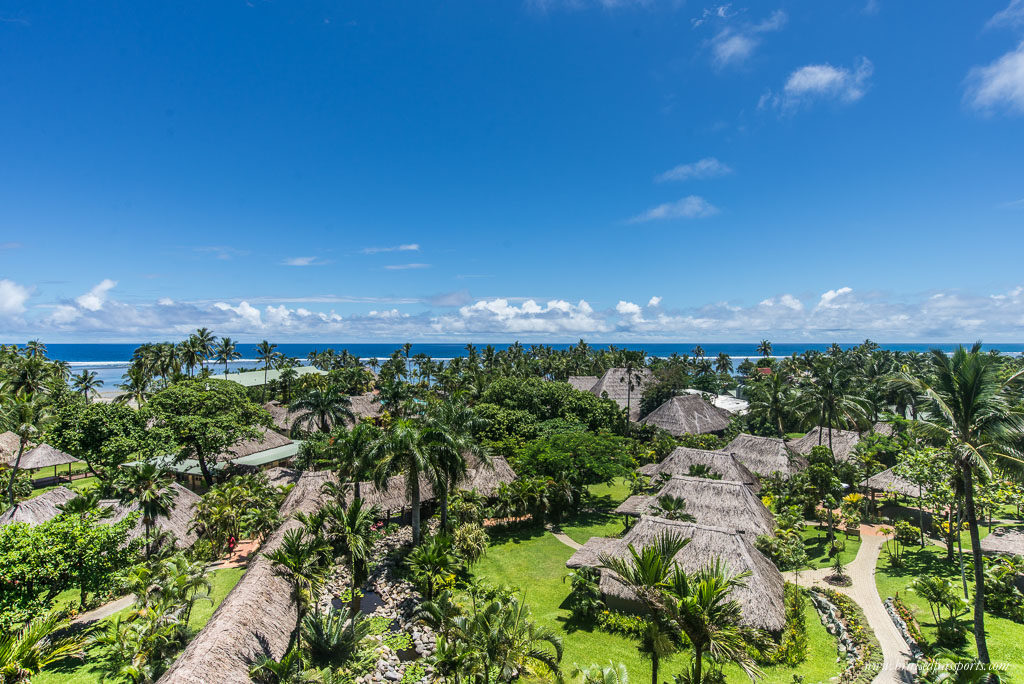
362 406
1004 541
485 479
257 616
279 476
887 429
843 442
43 456
267 440
711 502
765 455
682 459
889 481
179 522
688 414
40 508
9 444
582 382
613 385
761 600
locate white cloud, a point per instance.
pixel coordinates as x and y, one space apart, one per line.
12 297
690 207
93 299
303 261
1012 16
821 82
709 167
412 247
405 267
713 13
734 44
654 301
999 84
829 298
627 308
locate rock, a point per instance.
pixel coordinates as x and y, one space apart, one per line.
392 676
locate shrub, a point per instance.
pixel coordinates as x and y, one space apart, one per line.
470 542
632 626
792 646
584 598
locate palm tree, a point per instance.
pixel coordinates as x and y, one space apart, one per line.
204 344
723 363
401 449
225 352
673 508
303 560
135 388
266 353
431 560
764 348
613 673
350 531
452 429
970 406
504 641
290 669
44 640
25 416
829 399
329 642
771 397
352 454
86 384
190 353
322 409
150 487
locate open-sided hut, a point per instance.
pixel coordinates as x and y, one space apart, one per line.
688 414
765 455
888 481
683 460
613 384
711 502
843 442
38 509
43 456
257 617
761 600
582 382
178 521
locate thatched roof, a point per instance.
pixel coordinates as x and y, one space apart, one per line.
43 456
179 522
613 385
279 476
257 616
9 443
40 508
582 382
1004 540
732 404
688 414
761 600
486 478
765 455
889 481
682 459
362 406
843 442
366 406
887 429
268 439
711 502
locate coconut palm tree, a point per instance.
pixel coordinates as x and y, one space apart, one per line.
322 409
150 487
723 363
204 344
452 430
26 651
266 353
190 354
974 409
402 449
225 352
35 349
26 416
350 532
764 348
303 559
135 387
352 455
772 398
829 399
86 383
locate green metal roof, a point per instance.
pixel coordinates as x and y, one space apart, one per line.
190 466
261 458
255 378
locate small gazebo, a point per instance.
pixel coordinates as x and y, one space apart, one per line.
43 456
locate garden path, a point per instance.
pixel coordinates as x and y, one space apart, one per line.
104 611
565 539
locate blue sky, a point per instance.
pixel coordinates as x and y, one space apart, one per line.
540 170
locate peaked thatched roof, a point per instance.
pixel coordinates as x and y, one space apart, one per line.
761 600
179 522
257 616
362 406
886 429
688 414
889 481
682 459
40 508
711 502
279 476
582 382
613 385
1004 540
43 456
765 455
268 439
486 478
843 442
9 443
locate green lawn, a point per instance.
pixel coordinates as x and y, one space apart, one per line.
816 543
599 521
1005 637
74 485
88 672
534 560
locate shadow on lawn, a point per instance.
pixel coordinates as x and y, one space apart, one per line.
516 533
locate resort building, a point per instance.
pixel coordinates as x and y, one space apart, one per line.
889 482
178 521
613 385
582 382
688 414
269 450
363 406
761 599
765 455
700 462
842 442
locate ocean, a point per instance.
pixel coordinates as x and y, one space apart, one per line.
109 361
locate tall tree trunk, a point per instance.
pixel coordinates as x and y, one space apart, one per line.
415 513
698 662
207 476
979 568
14 471
654 668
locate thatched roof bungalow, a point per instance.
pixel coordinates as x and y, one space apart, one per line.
1007 541
362 406
843 442
279 476
688 414
765 455
267 440
761 600
40 508
682 459
42 456
582 382
889 481
178 523
257 616
613 385
711 502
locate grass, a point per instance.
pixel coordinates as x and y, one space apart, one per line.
816 543
1005 637
599 521
534 560
74 485
89 672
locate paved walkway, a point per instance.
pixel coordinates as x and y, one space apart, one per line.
104 611
565 539
897 666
